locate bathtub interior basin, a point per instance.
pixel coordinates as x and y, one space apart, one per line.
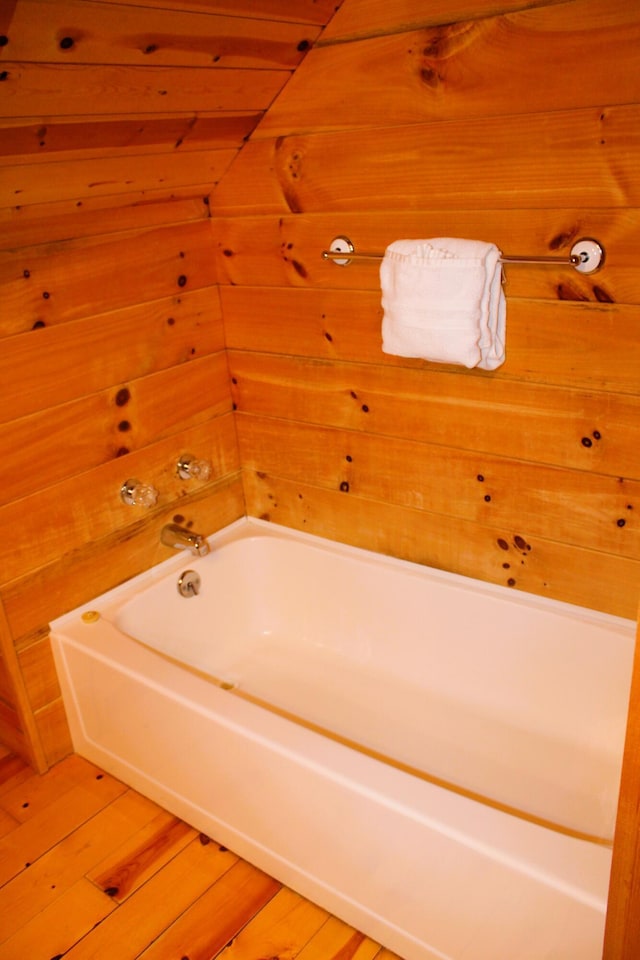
513 699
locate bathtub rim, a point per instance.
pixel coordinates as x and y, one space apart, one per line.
247 527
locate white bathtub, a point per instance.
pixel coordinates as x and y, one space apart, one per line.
431 758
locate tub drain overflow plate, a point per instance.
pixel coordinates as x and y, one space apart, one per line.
189 584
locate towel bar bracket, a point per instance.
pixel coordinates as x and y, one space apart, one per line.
590 255
587 255
340 245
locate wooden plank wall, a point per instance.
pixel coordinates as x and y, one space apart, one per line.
117 121
514 122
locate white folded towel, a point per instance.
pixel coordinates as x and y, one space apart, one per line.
443 301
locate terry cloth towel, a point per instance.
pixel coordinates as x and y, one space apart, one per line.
443 301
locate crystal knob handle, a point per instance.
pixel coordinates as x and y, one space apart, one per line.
137 494
190 468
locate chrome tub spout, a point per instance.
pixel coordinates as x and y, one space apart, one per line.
180 538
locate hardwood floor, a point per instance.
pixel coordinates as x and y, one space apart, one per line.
91 870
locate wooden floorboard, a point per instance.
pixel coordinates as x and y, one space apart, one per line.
92 870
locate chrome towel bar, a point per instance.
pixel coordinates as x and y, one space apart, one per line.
587 255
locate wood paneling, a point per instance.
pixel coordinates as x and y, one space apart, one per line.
19 726
118 120
88 32
286 251
54 283
93 216
511 494
106 305
464 69
586 157
13 734
56 503
128 97
366 18
304 11
546 338
622 936
54 89
124 420
93 137
95 177
86 355
566 428
497 149
36 664
53 732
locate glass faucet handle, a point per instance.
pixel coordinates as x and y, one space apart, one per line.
137 494
190 468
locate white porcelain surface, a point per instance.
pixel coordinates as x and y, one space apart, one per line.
506 695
